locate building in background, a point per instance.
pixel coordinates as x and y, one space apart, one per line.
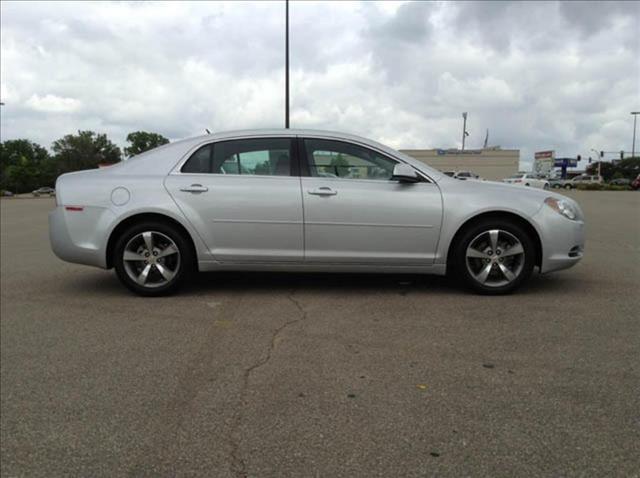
544 162
488 163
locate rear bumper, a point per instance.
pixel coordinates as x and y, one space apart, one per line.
75 236
563 240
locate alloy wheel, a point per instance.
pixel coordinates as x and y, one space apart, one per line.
151 259
495 258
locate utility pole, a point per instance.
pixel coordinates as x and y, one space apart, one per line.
633 146
286 81
464 128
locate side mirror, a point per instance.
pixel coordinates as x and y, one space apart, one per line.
404 174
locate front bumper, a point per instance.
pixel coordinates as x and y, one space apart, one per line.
563 240
76 236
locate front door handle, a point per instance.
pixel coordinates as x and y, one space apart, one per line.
195 188
323 191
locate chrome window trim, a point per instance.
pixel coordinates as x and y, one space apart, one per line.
176 169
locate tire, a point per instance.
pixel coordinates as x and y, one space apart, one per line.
527 184
556 186
546 186
567 186
520 265
167 268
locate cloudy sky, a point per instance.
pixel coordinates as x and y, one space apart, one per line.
540 75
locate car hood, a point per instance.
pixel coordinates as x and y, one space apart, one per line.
513 189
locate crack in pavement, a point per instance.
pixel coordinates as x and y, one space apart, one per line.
192 378
238 465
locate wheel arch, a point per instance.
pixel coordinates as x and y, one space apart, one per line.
516 218
146 216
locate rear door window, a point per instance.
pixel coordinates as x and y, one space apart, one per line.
252 156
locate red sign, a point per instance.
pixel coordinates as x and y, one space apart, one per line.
543 154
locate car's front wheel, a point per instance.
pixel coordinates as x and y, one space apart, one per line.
494 256
567 186
152 258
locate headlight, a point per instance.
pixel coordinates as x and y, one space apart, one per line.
562 207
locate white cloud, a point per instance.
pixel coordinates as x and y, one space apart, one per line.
538 75
53 104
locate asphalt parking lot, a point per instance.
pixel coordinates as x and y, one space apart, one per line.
321 375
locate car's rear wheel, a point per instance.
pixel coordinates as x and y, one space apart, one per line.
494 256
567 186
152 258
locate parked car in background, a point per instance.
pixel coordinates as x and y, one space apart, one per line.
44 192
635 184
461 174
466 175
620 182
557 183
583 179
528 179
257 200
6 193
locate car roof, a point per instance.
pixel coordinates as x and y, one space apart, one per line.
243 133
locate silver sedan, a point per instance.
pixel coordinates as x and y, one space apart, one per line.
303 200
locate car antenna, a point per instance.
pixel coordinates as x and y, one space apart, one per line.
208 132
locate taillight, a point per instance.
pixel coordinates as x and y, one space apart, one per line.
74 208
518 181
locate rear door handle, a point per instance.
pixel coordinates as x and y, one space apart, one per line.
323 191
195 188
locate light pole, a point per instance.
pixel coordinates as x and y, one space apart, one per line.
464 128
286 81
633 145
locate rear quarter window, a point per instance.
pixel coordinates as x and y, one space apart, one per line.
200 161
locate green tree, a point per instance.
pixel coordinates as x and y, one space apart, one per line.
626 168
84 151
263 168
629 167
607 170
339 165
25 165
142 141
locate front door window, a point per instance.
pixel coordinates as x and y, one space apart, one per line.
337 159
